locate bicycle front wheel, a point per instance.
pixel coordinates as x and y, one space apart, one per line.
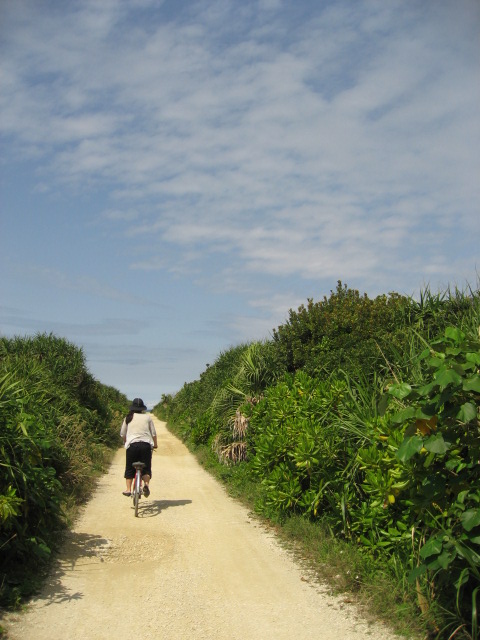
135 502
136 493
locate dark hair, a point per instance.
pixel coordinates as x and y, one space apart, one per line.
129 417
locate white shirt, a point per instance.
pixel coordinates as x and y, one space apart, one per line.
140 429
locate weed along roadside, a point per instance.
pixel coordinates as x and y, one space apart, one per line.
355 432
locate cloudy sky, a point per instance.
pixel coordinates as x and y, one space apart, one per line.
176 175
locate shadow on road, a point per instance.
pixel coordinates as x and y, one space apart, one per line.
155 507
81 548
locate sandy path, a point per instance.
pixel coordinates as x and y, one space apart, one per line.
194 565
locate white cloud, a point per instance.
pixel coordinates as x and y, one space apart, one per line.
258 142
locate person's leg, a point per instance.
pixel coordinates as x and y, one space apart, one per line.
128 491
147 472
129 472
146 485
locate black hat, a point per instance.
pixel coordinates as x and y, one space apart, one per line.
137 405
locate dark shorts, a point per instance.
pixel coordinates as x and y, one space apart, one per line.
139 452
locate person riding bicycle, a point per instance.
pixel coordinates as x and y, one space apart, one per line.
140 438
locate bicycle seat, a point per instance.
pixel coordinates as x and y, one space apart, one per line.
138 465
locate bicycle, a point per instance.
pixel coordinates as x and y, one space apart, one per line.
137 489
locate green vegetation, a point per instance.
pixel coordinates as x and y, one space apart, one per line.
57 425
355 430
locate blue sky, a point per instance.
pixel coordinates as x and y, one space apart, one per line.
177 175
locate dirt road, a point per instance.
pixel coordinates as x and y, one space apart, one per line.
194 565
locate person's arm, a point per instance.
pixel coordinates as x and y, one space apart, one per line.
123 431
151 426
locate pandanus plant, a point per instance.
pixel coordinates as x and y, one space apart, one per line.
256 371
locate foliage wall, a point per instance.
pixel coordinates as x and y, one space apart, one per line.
56 424
363 414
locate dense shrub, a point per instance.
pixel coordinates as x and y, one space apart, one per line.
441 457
56 422
366 421
402 484
345 330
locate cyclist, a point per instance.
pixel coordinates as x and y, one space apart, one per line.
139 436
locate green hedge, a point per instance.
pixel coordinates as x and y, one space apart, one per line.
364 418
56 424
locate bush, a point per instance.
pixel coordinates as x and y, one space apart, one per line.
441 454
363 437
345 331
56 422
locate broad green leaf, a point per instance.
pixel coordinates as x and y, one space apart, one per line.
436 361
409 447
425 390
470 519
467 413
472 384
469 366
404 416
451 464
473 357
436 444
431 548
400 391
425 353
469 554
449 376
445 558
459 369
426 412
454 334
453 351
